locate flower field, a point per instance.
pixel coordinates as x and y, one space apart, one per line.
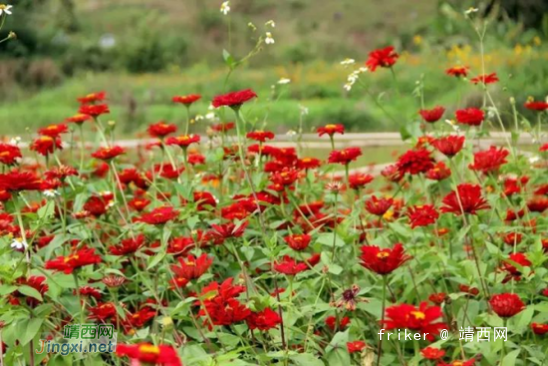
225 249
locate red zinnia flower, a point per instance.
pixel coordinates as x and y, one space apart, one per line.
149 354
422 215
20 181
260 136
68 264
356 346
449 145
330 130
53 131
308 163
263 320
359 180
467 200
220 233
470 116
183 141
79 118
234 99
506 305
440 171
421 319
344 156
92 98
9 154
432 115
539 329
538 106
415 161
432 353
392 173
537 203
331 322
298 242
385 57
457 71
289 266
470 362
508 265
485 79
128 246
94 110
108 153
159 215
139 204
438 298
192 268
487 161
224 127
45 145
378 206
186 99
161 129
383 261
36 282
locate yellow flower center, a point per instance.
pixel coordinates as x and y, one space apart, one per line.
149 348
419 315
383 254
71 257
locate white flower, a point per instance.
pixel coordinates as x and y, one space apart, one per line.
303 109
283 81
252 26
225 8
50 193
210 115
15 140
471 10
534 159
5 9
199 117
270 23
348 61
291 133
269 39
19 243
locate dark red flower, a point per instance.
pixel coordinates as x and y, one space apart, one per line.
234 99
192 268
224 127
432 353
220 233
289 266
487 161
359 180
508 265
537 203
263 320
506 305
421 319
422 215
159 216
331 322
9 154
96 205
92 98
183 141
378 206
449 145
457 71
470 116
298 242
78 118
147 353
383 261
539 329
186 99
76 260
415 161
36 282
20 181
330 130
466 199
344 156
128 246
161 129
108 153
392 173
308 163
440 171
260 136
538 106
485 79
94 110
356 346
432 115
45 145
438 298
385 57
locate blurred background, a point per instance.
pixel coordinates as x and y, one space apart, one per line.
144 52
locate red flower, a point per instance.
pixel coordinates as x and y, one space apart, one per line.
186 99
449 145
103 311
432 115
9 154
356 346
432 353
422 215
128 246
89 291
383 261
470 116
537 203
298 242
53 131
159 216
260 136
438 298
108 153
79 118
457 71
192 268
415 162
538 106
487 161
485 79
161 129
289 266
224 127
378 207
68 264
96 206
183 141
344 156
513 238
92 98
263 320
439 172
204 200
506 305
539 329
421 319
392 173
467 200
508 265
225 231
45 145
286 177
94 110
359 180
36 282
166 170
385 57
470 362
331 129
149 354
331 323
20 181
308 163
234 99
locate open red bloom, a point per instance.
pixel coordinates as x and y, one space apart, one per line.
96 205
94 110
78 259
344 156
432 115
224 127
359 180
538 106
161 129
506 305
79 118
260 136
20 181
449 145
422 215
539 329
470 362
9 154
383 261
415 161
457 71
53 131
289 266
470 116
392 173
439 171
45 145
385 57
508 265
378 206
108 153
308 163
432 353
128 246
537 203
36 282
220 233
150 354
466 199
192 268
485 79
234 99
331 129
356 346
421 319
263 320
183 141
92 98
159 216
487 161
186 99
298 242
331 322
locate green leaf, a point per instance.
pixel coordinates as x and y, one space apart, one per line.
46 211
29 291
31 328
7 289
510 359
229 60
156 259
306 359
